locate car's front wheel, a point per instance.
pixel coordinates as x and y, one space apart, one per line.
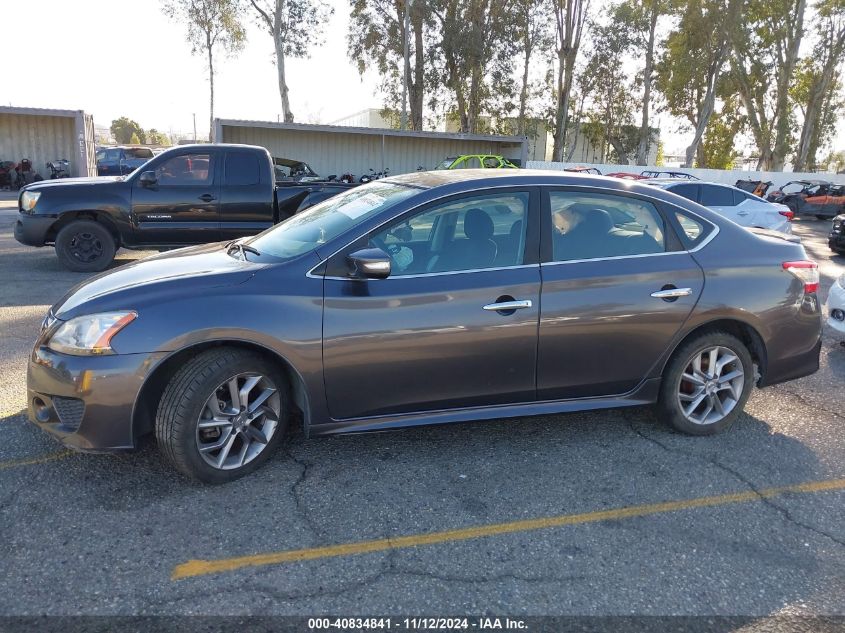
222 415
706 384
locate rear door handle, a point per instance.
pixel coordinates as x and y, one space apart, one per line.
207 197
503 306
672 293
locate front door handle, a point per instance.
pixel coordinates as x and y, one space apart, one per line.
207 197
504 306
671 293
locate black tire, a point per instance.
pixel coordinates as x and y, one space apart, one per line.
85 246
184 401
668 405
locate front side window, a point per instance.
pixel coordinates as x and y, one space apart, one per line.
594 225
471 233
187 169
329 219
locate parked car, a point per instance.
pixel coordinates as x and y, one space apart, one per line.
836 237
190 194
625 175
119 161
287 170
757 187
667 174
476 161
835 308
431 297
584 170
818 198
737 205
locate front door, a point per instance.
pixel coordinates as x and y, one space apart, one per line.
183 204
604 323
430 336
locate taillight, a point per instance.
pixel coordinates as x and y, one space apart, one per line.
807 272
787 214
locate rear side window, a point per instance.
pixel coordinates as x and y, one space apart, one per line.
693 231
242 169
690 192
597 225
715 196
138 152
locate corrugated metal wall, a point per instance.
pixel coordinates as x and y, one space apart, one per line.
41 138
337 152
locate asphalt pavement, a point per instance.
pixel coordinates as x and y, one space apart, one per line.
604 513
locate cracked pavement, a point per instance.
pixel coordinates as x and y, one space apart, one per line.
98 534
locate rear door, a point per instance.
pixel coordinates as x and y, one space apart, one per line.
604 322
182 207
246 197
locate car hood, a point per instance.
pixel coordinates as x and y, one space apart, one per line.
62 182
192 270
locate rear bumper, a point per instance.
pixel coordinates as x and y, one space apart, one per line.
32 229
87 402
793 350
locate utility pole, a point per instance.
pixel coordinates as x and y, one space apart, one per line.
403 123
195 127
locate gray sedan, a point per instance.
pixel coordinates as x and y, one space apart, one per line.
434 297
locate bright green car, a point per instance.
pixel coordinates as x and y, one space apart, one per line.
476 161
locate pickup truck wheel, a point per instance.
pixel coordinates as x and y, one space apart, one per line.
222 415
85 246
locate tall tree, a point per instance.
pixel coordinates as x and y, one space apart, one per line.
765 46
294 25
534 36
212 25
693 64
376 37
476 53
570 17
648 12
818 78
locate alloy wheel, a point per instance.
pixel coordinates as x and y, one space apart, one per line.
711 385
238 420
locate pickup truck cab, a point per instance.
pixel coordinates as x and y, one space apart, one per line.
192 194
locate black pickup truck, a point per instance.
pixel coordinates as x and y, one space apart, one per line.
190 194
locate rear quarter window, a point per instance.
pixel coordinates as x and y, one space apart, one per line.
692 230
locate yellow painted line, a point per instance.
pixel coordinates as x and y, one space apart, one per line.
30 461
203 567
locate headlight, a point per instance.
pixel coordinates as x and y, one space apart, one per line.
28 200
89 334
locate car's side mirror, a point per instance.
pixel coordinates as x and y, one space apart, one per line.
147 178
369 263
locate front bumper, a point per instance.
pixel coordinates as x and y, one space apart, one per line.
32 230
87 402
835 301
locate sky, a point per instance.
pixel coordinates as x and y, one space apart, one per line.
115 58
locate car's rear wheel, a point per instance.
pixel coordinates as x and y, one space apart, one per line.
222 415
85 246
706 384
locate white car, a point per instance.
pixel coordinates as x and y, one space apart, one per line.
835 309
742 207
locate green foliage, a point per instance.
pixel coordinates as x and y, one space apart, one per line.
660 159
718 147
135 139
154 137
210 24
123 130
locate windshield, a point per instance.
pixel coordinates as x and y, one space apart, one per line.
323 222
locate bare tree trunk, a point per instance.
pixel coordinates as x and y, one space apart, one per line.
283 86
570 16
811 116
645 133
781 118
560 116
574 143
523 93
706 112
417 86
